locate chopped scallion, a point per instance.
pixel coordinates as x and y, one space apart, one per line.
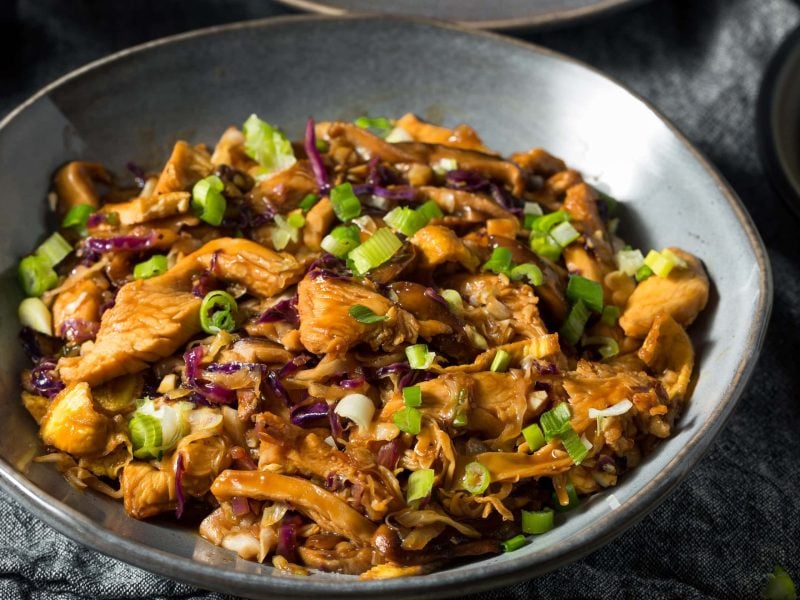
572 329
658 263
546 222
564 234
445 165
380 126
155 265
514 543
538 521
218 312
77 217
267 145
419 357
375 251
454 301
590 292
629 261
573 445
341 240
528 271
674 258
533 437
499 262
405 220
430 210
610 315
308 201
346 204
295 220
34 313
364 314
408 419
501 361
54 249
532 208
779 586
146 435
420 485
476 478
545 246
643 273
555 421
412 396
208 202
574 501
36 275
607 346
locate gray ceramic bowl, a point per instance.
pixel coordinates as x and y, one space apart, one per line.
476 14
131 106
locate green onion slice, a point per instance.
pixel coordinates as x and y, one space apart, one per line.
629 261
155 265
501 361
538 521
610 315
405 220
34 313
77 217
295 220
528 271
208 202
532 208
36 275
412 396
408 420
419 357
574 445
308 201
555 421
564 234
515 543
54 249
380 126
430 210
607 346
546 222
545 246
420 485
267 145
454 301
218 312
779 586
499 261
533 437
345 203
375 251
476 478
146 435
572 329
364 314
591 292
461 410
658 263
341 240
574 501
643 273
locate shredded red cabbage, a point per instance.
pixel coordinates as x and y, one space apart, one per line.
79 330
398 367
242 459
317 164
287 537
413 377
434 295
44 378
204 283
399 192
285 310
96 219
337 430
301 415
138 173
277 387
327 266
122 243
212 393
179 486
352 383
389 454
334 482
233 367
469 181
38 345
240 506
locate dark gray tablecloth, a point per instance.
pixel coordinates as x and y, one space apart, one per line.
700 62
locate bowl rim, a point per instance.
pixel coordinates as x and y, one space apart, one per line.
551 19
83 530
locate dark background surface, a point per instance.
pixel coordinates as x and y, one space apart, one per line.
700 62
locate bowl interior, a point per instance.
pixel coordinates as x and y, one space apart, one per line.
134 107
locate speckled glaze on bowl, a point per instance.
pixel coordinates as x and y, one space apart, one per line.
476 14
134 104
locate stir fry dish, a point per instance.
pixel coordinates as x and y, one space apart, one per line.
376 351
